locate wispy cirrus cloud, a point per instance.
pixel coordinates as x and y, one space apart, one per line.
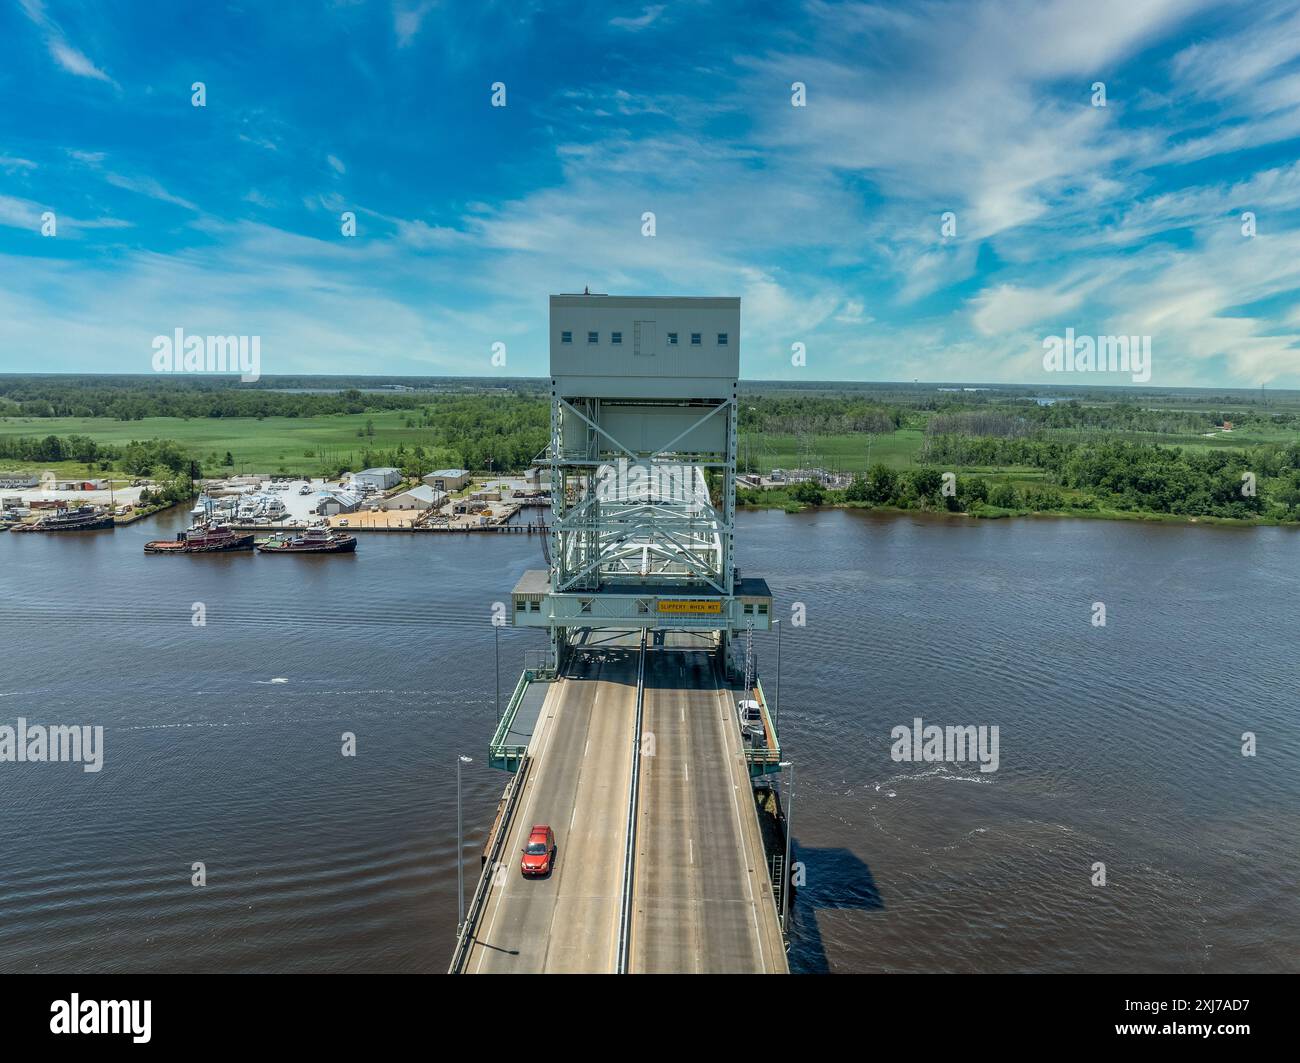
648 17
825 218
18 213
147 186
71 59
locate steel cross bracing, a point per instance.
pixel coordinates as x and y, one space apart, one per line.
642 524
620 515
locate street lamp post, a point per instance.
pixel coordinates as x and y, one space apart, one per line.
460 845
496 639
789 809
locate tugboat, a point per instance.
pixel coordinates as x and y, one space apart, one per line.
83 518
314 540
202 539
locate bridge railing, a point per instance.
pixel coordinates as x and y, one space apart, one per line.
503 753
465 937
764 759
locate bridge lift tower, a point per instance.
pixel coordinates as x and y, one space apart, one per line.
642 463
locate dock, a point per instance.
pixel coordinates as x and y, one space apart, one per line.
445 529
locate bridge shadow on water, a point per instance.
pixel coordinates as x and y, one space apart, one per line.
834 880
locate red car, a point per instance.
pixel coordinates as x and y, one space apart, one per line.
539 853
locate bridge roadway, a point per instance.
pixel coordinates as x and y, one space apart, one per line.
581 772
701 898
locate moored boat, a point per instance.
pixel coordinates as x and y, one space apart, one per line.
202 539
312 541
82 518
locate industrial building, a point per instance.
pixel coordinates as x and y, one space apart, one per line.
447 479
338 500
422 497
380 479
78 484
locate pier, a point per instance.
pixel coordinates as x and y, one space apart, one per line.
529 528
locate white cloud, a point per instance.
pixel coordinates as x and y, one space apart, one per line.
147 186
71 59
1008 308
75 62
25 214
853 312
649 15
408 19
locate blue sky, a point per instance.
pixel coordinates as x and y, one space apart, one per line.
825 219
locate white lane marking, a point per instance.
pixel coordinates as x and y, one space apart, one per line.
623 836
691 842
686 767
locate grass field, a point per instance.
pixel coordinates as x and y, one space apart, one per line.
315 444
294 444
835 453
1217 441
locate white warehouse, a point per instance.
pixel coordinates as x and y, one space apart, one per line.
382 479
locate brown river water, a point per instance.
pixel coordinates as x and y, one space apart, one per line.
1119 745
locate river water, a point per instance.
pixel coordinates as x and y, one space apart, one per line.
1118 745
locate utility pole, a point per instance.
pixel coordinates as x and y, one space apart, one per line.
460 846
789 820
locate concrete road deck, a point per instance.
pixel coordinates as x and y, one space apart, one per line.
582 753
702 900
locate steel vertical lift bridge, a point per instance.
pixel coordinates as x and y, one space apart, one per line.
642 463
629 741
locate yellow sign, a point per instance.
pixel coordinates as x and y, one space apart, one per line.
690 605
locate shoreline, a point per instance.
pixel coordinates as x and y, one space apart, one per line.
992 513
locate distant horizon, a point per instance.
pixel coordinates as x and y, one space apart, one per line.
234 381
